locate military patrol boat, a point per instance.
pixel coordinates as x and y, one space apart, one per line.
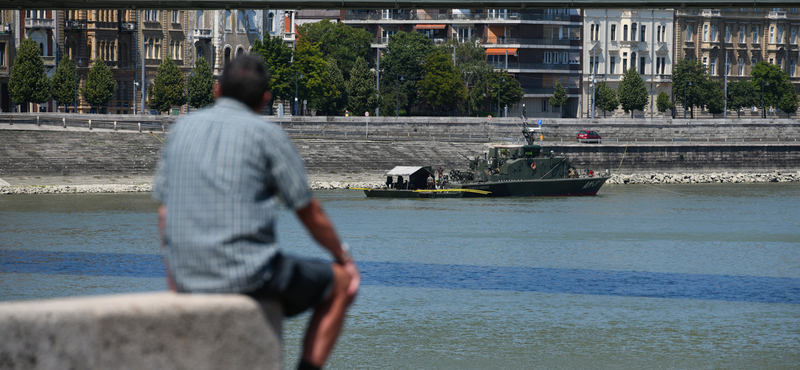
504 170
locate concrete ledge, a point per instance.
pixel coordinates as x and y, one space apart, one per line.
142 331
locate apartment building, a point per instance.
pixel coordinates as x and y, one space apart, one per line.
7 48
538 47
732 40
617 39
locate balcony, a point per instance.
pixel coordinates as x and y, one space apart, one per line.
776 14
543 66
49 61
711 13
127 26
520 41
288 37
202 33
74 24
424 16
39 23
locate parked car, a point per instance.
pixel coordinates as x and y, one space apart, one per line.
586 136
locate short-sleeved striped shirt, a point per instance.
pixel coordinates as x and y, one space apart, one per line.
219 175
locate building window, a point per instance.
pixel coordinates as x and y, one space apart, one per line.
633 31
663 64
705 63
175 16
591 64
793 36
688 33
755 35
2 54
613 32
705 32
271 22
227 20
641 65
643 36
625 32
545 104
227 55
728 34
240 21
772 35
550 56
713 67
612 64
658 33
200 21
624 62
780 34
151 15
741 66
239 52
742 34
791 68
714 33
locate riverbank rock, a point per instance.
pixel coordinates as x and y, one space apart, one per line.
704 178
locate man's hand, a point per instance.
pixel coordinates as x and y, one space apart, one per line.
355 277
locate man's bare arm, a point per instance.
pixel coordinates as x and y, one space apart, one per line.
321 228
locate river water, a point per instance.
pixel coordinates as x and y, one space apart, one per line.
668 277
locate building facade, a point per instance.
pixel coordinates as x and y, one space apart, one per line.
617 39
538 47
732 40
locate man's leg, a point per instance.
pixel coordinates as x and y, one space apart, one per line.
327 320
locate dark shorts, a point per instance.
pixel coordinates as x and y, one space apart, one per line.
299 284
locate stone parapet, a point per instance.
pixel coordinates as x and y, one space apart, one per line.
142 331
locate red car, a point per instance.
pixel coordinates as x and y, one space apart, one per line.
586 136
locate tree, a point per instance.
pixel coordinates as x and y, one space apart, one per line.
100 85
338 41
696 94
662 102
361 89
63 83
169 87
606 98
510 91
777 88
277 55
201 85
741 95
559 97
441 87
789 101
716 98
312 73
28 82
631 91
334 100
405 53
475 72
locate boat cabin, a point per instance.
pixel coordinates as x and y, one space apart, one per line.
408 177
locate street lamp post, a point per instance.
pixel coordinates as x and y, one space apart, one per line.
397 96
135 85
594 97
763 107
687 83
498 96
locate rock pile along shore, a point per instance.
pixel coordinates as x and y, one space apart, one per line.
328 184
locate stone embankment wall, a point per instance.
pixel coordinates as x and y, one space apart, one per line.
142 331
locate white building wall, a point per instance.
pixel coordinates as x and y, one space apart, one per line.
605 37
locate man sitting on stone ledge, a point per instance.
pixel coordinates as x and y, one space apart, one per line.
218 182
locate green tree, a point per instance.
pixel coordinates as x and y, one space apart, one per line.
742 95
662 102
559 97
510 90
277 55
631 91
312 74
201 85
606 98
334 99
773 82
392 100
169 87
63 83
405 54
684 73
441 86
361 89
99 86
715 101
338 41
28 82
475 73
